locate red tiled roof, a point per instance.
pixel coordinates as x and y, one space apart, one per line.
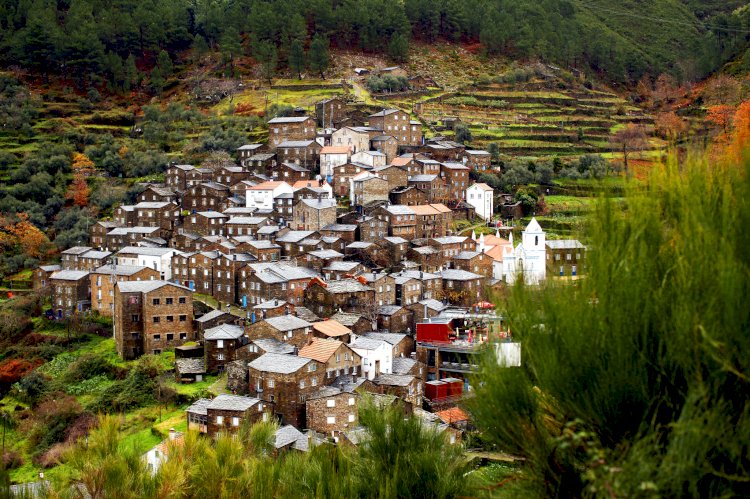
452 415
320 349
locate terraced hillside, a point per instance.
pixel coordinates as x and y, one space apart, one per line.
537 120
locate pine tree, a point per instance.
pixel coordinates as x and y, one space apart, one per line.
318 56
297 58
398 48
131 74
267 55
157 80
165 64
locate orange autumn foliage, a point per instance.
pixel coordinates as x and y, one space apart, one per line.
81 162
741 131
79 190
669 125
33 241
720 116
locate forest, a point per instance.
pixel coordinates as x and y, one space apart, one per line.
122 42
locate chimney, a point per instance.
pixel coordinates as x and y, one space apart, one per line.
172 434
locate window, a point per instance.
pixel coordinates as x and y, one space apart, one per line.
169 301
170 336
156 301
156 319
315 382
351 418
331 420
351 400
271 383
157 337
183 318
183 336
302 383
181 299
219 419
135 318
330 403
170 318
312 367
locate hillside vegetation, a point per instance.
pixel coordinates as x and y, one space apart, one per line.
124 42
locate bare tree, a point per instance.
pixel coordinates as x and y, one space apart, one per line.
631 138
370 310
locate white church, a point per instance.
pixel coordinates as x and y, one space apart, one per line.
528 259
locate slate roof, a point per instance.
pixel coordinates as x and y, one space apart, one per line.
288 119
190 366
422 178
227 402
223 332
69 275
338 266
466 255
389 310
362 343
145 286
402 365
77 250
272 345
346 318
279 363
325 254
319 204
287 322
565 244
294 236
393 379
50 268
458 275
200 407
306 314
287 435
118 269
399 209
390 338
137 250
213 314
346 286
291 144
340 227
270 304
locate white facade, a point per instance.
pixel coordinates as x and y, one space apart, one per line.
331 157
262 195
528 258
481 197
369 158
159 259
377 356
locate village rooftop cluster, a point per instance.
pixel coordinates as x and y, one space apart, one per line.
326 267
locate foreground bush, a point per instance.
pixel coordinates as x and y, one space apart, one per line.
635 381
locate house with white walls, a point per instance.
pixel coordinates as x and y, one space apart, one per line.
377 356
159 259
261 196
331 157
481 197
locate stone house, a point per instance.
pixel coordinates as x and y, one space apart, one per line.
477 160
384 286
408 196
267 281
41 275
386 144
163 214
286 328
290 128
212 319
273 308
433 220
227 413
245 151
337 270
394 318
356 323
406 387
89 260
69 258
220 346
334 357
450 246
262 346
398 124
290 173
474 261
369 188
333 409
395 176
71 292
262 250
408 289
319 259
230 175
285 381
347 232
226 276
343 174
98 233
121 237
260 163
204 197
314 214
427 258
244 226
300 152
289 241
151 316
431 284
394 248
461 287
433 186
198 176
330 112
205 223
103 281
347 295
401 220
456 178
565 257
124 215
408 366
176 176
